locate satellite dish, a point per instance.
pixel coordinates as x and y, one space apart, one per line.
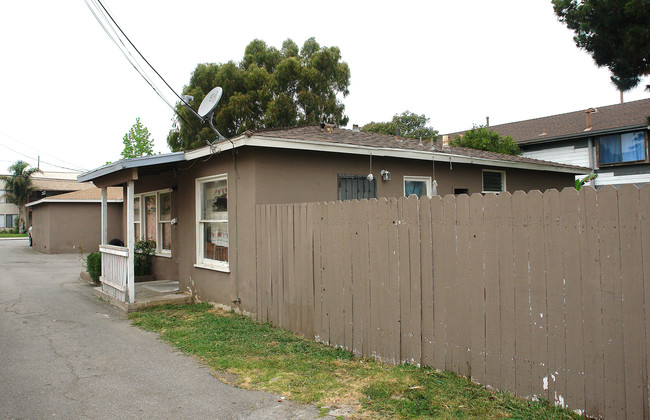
210 102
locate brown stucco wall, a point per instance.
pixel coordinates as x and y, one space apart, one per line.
282 176
285 176
59 228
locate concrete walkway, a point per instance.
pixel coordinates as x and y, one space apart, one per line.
65 354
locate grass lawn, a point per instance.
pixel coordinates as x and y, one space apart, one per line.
13 235
257 356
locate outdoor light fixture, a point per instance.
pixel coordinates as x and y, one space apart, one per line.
385 175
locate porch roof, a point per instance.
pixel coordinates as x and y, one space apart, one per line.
134 163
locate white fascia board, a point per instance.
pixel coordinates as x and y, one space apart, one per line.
50 200
318 146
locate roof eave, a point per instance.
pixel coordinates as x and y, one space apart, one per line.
311 145
138 162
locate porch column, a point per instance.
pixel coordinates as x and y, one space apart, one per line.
130 242
104 216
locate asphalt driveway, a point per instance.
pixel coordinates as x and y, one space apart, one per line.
64 354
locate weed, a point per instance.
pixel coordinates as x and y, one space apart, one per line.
276 360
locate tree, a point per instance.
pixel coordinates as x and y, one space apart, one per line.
268 88
481 138
614 32
137 142
19 187
410 124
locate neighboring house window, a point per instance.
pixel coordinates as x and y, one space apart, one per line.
494 181
212 222
152 219
2 221
622 148
356 187
418 185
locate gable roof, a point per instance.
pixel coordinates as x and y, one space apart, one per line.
341 140
613 118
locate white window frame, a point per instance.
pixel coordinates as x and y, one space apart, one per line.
141 223
503 181
201 262
426 179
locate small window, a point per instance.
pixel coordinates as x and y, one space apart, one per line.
2 221
212 222
459 191
418 185
622 148
494 181
356 187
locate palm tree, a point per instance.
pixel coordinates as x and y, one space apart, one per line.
19 187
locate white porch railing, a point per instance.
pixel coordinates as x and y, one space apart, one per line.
115 271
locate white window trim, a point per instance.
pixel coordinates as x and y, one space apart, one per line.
223 266
426 179
167 253
503 181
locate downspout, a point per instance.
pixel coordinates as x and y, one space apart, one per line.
237 299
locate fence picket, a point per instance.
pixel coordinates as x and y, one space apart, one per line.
507 287
570 240
426 298
523 366
462 287
632 283
477 287
591 301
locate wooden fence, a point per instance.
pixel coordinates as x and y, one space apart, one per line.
543 295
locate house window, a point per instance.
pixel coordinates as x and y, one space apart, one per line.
418 185
212 222
356 187
2 221
152 219
459 191
136 218
164 221
494 181
622 148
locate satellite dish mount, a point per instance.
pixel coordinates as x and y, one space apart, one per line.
207 107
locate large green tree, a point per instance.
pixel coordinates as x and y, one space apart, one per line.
410 125
19 187
268 88
137 142
615 32
482 138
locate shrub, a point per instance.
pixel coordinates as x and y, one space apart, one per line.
144 252
94 265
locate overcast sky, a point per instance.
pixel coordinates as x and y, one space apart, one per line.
69 95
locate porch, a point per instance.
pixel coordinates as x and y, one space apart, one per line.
147 294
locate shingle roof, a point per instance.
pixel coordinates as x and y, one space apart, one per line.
573 124
93 195
362 138
48 184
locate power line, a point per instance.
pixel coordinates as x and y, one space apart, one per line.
39 152
104 12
